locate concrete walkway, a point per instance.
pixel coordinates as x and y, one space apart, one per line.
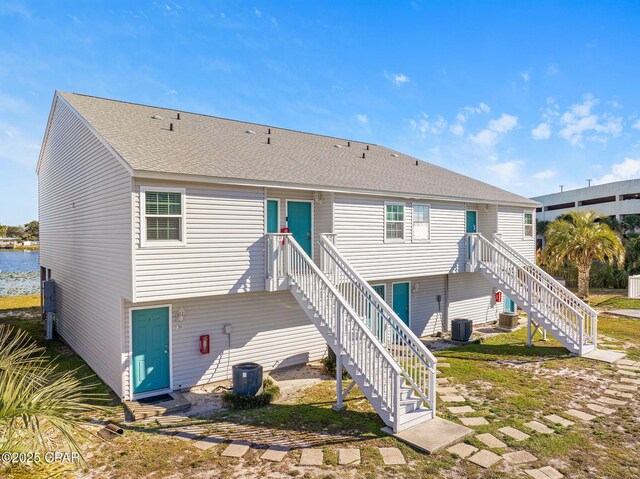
627 313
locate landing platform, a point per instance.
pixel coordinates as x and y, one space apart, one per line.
166 403
431 436
605 355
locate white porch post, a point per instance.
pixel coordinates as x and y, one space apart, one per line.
338 406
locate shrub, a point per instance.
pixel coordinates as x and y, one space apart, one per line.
329 363
270 392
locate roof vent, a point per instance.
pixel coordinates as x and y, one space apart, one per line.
416 162
177 116
156 117
395 155
268 140
363 154
348 143
337 146
170 126
269 131
251 132
367 147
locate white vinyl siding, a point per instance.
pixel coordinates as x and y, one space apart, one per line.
268 328
511 229
471 297
359 224
224 252
84 199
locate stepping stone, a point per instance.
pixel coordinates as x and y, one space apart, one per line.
626 362
519 457
630 381
539 427
484 458
444 365
391 456
600 409
311 457
474 421
208 442
613 402
624 372
169 420
186 436
348 456
546 472
579 414
618 394
452 398
463 450
236 449
559 420
447 390
624 387
551 472
514 433
275 453
490 440
629 368
443 380
460 409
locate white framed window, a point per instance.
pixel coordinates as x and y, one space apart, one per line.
421 222
394 222
162 216
528 225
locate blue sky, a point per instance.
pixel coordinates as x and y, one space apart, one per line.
523 95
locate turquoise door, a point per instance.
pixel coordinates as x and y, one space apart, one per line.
272 216
150 349
378 326
379 288
472 227
299 223
401 301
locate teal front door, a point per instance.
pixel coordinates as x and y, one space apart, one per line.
401 301
378 326
272 216
299 223
379 288
472 227
150 349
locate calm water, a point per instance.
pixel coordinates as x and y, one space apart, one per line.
19 261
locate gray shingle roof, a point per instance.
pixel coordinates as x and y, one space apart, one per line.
215 147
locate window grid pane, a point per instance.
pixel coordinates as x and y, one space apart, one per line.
528 219
395 212
395 230
163 228
163 203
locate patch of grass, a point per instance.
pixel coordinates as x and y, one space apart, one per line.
19 302
270 392
616 302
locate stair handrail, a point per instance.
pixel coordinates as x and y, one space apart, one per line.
290 270
545 275
581 331
405 334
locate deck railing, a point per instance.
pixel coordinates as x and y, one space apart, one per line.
533 288
417 362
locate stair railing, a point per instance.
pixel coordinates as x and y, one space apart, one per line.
590 315
352 338
417 362
535 293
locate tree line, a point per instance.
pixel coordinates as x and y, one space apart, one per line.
27 232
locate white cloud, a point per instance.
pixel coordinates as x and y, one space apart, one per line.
425 126
484 138
397 78
257 12
504 124
636 125
525 76
628 168
544 175
507 172
579 122
362 118
468 110
457 129
541 132
552 69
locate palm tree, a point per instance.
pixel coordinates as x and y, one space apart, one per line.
38 403
580 238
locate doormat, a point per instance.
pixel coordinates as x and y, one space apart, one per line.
156 399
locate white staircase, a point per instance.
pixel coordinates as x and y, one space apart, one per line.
549 304
399 383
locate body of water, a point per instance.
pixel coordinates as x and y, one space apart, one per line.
19 261
19 273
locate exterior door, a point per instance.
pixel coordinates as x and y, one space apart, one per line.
150 349
401 301
299 223
472 227
379 288
272 216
